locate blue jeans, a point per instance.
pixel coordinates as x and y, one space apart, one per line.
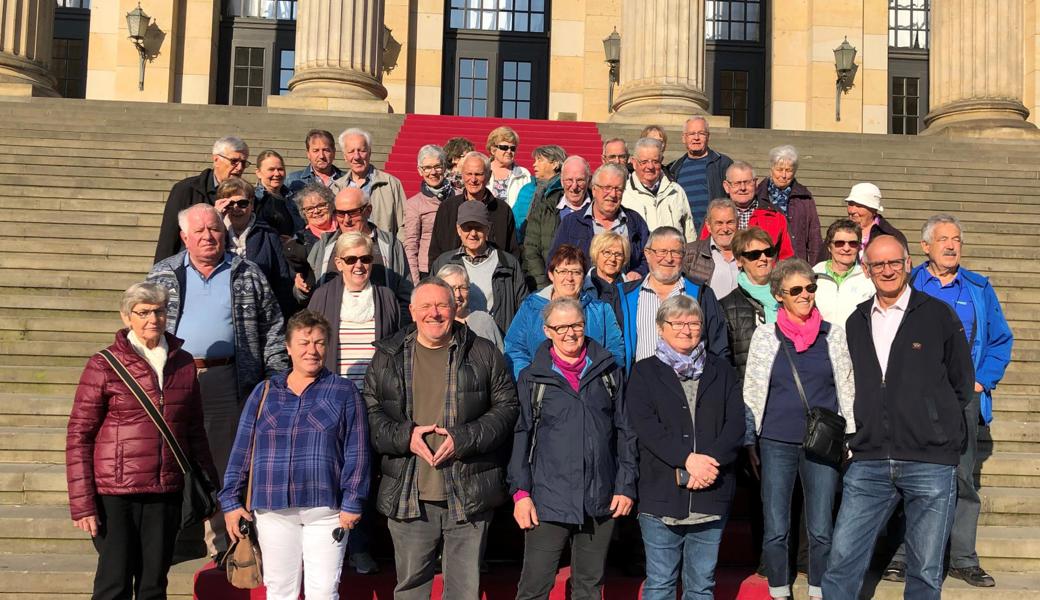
694 547
782 462
871 491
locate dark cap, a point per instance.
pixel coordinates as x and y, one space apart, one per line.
473 211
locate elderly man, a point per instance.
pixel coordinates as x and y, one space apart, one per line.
914 382
441 405
230 159
752 211
544 218
497 283
321 168
223 308
384 190
699 172
476 169
972 298
658 199
606 214
615 151
641 299
711 260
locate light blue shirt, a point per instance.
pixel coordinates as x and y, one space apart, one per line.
619 226
205 322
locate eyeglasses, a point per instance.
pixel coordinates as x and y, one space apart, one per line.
740 184
460 288
144 314
317 209
568 272
610 157
696 134
612 254
440 306
506 148
854 244
235 162
610 188
798 289
666 253
570 182
648 161
562 329
243 203
353 213
680 325
431 169
757 254
876 268
365 259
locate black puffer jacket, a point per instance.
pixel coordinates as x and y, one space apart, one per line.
487 411
743 315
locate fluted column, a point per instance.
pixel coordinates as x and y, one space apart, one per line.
662 61
976 69
339 52
26 36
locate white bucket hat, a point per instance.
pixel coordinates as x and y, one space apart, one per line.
865 194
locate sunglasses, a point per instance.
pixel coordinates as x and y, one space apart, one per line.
506 148
239 203
798 289
757 254
854 244
350 260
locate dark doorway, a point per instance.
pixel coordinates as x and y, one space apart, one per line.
257 50
908 42
69 50
735 67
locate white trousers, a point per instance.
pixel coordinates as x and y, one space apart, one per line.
296 538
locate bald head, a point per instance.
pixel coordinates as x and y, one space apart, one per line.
884 247
352 210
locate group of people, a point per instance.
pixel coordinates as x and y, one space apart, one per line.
600 348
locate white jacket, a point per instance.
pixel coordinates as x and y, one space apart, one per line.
669 207
837 303
517 179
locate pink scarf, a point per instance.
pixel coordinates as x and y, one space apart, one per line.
317 230
802 334
571 370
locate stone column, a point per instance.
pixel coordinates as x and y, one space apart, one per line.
662 62
26 36
339 57
975 69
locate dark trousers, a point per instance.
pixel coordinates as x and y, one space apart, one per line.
135 540
543 546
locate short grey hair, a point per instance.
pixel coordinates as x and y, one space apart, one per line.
649 143
584 163
230 143
785 153
352 132
739 165
717 204
557 304
143 293
677 306
940 219
351 239
437 282
314 189
614 141
432 150
202 207
551 153
786 269
483 158
609 168
665 232
453 270
707 126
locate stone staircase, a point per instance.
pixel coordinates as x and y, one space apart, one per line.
82 187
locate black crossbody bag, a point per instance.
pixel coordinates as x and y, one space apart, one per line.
824 429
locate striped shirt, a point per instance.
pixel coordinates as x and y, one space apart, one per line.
356 350
646 317
693 179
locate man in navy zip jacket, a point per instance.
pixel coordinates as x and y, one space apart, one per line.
914 377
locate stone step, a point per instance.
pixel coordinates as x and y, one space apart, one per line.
34 410
1010 506
44 445
1009 548
40 530
20 278
1020 586
71 576
1011 469
89 247
75 305
73 232
48 265
33 484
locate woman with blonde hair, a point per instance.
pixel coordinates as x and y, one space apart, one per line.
507 177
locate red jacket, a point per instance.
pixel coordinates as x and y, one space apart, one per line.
773 222
113 448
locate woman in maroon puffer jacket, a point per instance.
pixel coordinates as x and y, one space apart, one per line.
125 485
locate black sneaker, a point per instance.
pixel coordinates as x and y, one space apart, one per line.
895 571
973 576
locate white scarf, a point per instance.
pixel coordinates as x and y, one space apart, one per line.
237 241
358 307
156 357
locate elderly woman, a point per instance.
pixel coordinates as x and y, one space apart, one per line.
566 270
455 149
684 405
548 160
864 208
841 282
271 205
751 304
421 209
799 362
610 252
482 323
507 177
125 484
794 200
570 406
658 133
316 204
303 438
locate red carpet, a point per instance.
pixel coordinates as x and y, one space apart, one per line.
576 137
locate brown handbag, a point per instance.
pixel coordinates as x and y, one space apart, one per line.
243 563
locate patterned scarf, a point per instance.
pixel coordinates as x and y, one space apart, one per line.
780 198
686 366
439 193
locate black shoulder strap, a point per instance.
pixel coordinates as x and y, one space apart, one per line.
536 414
794 370
146 404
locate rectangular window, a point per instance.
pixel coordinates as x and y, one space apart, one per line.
733 97
732 20
473 87
67 67
73 4
516 90
908 24
286 68
262 9
497 15
906 104
248 77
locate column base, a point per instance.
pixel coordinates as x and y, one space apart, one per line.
660 104
24 78
981 118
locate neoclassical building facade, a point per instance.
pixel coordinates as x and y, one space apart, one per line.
922 65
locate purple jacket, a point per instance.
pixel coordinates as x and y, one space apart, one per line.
803 222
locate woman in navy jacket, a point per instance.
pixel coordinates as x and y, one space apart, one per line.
573 465
688 415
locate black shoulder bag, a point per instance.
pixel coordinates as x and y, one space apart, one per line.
824 429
